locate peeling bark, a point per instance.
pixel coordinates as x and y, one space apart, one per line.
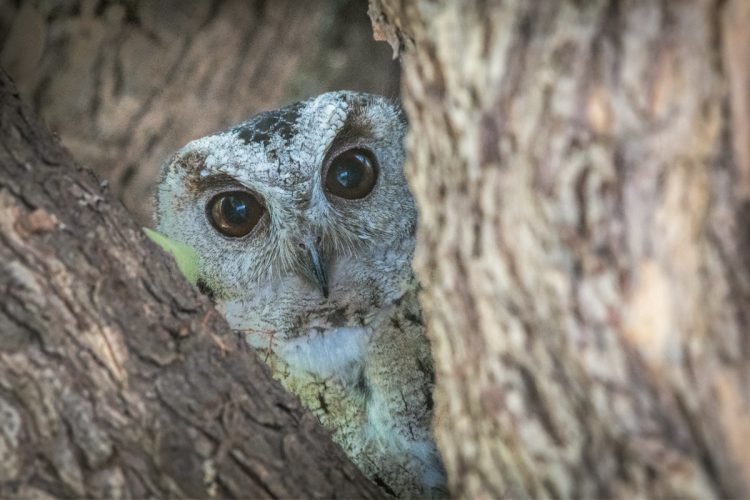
117 379
581 171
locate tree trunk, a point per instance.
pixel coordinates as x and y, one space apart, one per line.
125 84
117 379
582 171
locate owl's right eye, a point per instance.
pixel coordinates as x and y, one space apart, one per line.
234 213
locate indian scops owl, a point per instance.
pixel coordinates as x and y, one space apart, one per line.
304 227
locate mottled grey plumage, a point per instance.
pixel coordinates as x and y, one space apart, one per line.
344 334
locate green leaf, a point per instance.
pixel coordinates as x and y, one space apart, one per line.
184 255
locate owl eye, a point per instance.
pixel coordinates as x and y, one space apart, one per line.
352 174
234 213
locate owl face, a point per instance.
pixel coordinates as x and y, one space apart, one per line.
301 217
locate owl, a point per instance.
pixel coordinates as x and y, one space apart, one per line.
304 228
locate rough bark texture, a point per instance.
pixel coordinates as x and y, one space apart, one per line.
582 170
117 379
124 84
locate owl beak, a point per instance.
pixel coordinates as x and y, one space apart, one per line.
317 267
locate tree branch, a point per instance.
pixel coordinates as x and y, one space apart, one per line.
117 379
581 170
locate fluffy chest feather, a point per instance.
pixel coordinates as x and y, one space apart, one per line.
372 386
336 352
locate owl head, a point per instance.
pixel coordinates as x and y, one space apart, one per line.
301 217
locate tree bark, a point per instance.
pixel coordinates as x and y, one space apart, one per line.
117 379
582 171
125 84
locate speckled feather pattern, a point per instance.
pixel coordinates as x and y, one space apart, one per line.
359 358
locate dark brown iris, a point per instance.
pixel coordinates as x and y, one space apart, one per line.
234 213
352 174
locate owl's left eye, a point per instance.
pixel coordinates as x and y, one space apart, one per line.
352 174
234 213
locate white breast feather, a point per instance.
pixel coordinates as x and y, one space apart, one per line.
327 352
